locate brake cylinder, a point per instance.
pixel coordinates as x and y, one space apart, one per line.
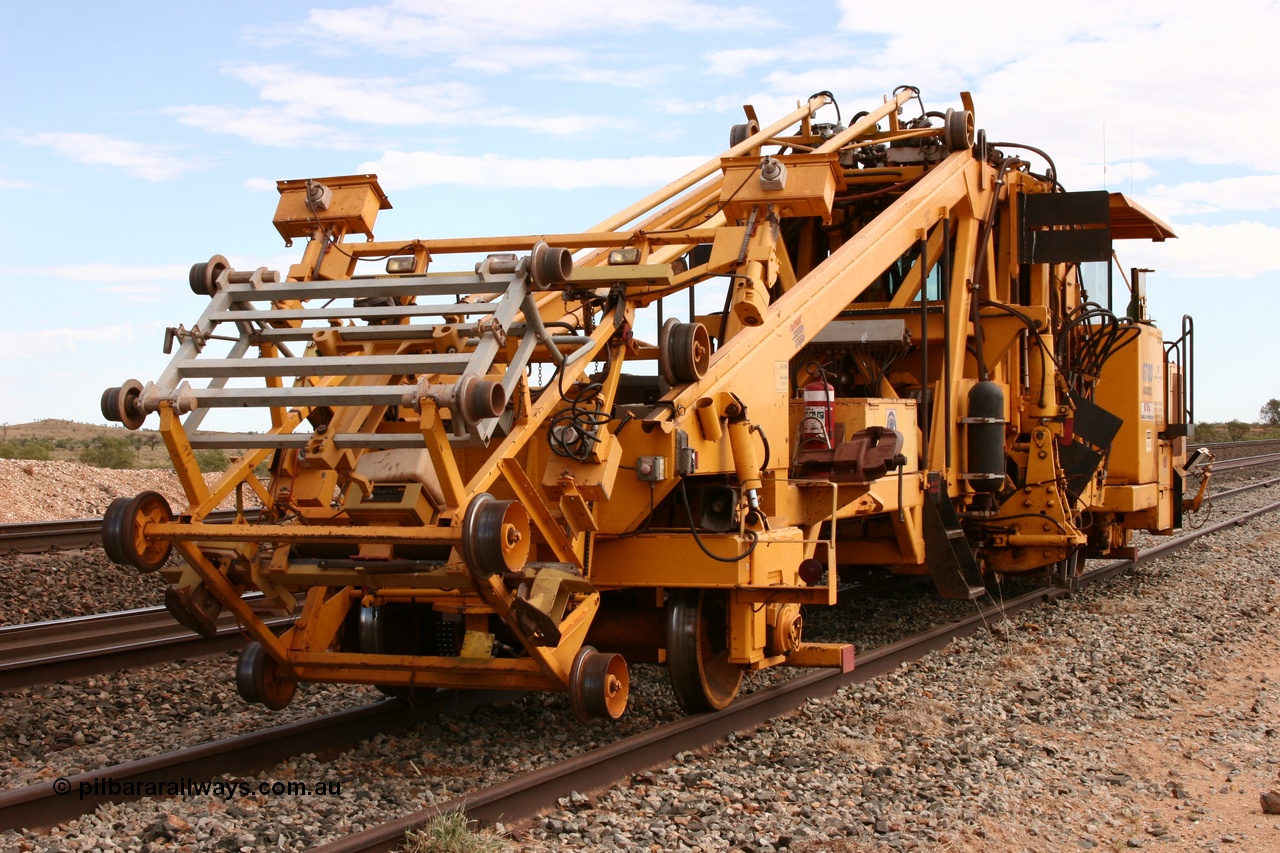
985 437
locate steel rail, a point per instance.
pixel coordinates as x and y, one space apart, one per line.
78 647
82 646
31 537
64 649
521 797
49 803
1242 462
38 536
1242 489
1218 448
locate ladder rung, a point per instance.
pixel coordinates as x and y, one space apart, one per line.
412 332
256 440
355 365
351 311
362 287
343 312
337 395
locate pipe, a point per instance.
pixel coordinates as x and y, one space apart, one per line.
712 166
862 125
709 417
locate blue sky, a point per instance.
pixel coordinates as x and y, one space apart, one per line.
140 138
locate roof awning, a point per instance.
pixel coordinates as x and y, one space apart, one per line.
1130 221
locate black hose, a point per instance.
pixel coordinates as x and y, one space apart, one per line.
693 528
831 98
765 440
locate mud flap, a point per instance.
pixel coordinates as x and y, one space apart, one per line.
950 559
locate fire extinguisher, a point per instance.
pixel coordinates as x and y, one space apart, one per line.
819 415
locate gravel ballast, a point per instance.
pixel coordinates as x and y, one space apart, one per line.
53 491
1140 712
1136 713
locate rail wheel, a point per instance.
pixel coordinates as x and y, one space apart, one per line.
684 351
260 680
120 404
598 685
404 629
740 133
959 130
203 278
550 265
698 664
124 531
495 536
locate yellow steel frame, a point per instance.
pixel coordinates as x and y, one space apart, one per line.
591 517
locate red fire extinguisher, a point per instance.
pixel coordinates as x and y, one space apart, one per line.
819 416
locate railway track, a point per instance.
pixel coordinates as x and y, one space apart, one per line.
33 537
62 649
71 648
43 652
1237 449
1246 462
70 796
519 798
37 536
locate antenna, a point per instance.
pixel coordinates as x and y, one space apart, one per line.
1104 155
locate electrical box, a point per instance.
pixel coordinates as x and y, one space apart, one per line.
809 190
354 204
651 469
1132 383
390 503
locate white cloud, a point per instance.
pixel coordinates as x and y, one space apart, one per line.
99 272
513 56
140 292
10 184
151 162
261 126
730 63
1238 250
127 278
1254 192
42 343
411 169
721 104
259 185
308 108
1057 83
374 100
509 35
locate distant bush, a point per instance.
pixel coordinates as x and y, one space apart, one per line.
1237 430
212 460
27 448
110 451
1208 432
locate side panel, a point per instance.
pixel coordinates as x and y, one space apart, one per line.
1132 388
